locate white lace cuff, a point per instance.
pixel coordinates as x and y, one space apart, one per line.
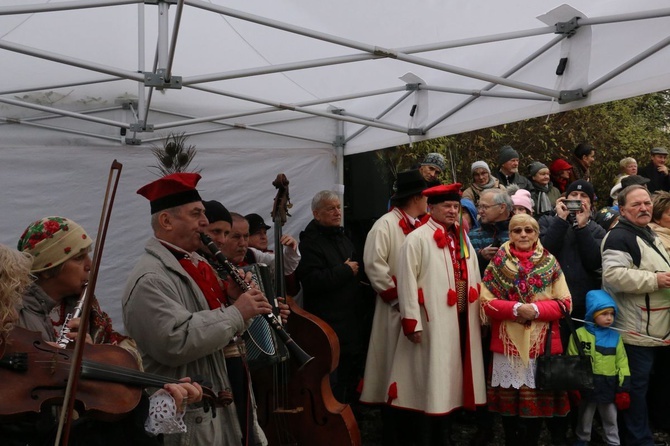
515 309
163 416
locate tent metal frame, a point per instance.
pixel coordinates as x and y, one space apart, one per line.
162 77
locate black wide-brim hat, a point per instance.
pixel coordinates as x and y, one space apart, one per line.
408 183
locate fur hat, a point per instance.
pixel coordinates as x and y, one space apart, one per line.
505 154
53 240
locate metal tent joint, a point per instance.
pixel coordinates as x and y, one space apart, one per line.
571 96
416 132
569 28
133 141
413 87
155 2
159 80
340 141
127 104
141 126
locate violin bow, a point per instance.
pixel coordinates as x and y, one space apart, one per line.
65 421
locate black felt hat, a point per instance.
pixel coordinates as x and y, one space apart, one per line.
408 183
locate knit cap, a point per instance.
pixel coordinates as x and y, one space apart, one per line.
480 165
505 154
522 198
583 186
53 240
435 160
535 167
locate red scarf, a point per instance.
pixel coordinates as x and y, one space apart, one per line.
207 281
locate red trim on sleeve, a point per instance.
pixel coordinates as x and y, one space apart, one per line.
389 295
408 325
421 299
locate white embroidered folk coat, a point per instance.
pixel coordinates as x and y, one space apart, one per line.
430 376
380 255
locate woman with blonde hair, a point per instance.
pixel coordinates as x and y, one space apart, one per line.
660 216
523 286
14 279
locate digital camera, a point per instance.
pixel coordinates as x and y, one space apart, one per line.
573 205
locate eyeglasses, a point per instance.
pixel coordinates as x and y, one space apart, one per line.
486 207
520 230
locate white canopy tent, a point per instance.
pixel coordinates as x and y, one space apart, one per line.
269 86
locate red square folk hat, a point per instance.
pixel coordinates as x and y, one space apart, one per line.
448 192
171 190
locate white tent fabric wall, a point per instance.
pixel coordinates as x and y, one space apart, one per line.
70 181
239 60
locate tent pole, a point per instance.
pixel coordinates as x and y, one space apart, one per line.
488 93
163 31
543 49
281 106
338 144
64 6
173 40
60 129
65 113
55 86
379 116
628 64
141 56
93 66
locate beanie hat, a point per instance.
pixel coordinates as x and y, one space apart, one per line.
522 198
505 154
480 165
583 186
535 167
215 211
559 165
435 160
53 240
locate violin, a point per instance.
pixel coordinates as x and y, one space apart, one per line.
35 374
296 406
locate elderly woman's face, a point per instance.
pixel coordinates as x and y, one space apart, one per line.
523 237
480 176
665 219
631 169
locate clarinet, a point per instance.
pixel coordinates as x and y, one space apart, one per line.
63 339
297 353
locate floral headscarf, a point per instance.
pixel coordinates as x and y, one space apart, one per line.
53 240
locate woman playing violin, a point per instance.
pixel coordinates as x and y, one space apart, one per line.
58 249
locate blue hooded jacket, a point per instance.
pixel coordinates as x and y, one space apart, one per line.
605 346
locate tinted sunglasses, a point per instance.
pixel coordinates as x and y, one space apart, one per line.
520 230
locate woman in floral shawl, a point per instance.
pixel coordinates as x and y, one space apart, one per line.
522 285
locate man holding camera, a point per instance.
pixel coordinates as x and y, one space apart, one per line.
574 239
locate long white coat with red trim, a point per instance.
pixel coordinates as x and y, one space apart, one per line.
430 376
382 247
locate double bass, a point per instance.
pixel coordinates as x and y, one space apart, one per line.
296 406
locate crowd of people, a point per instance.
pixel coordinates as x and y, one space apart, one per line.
518 250
468 281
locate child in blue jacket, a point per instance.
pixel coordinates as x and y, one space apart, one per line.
611 376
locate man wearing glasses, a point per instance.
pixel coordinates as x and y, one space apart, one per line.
495 209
